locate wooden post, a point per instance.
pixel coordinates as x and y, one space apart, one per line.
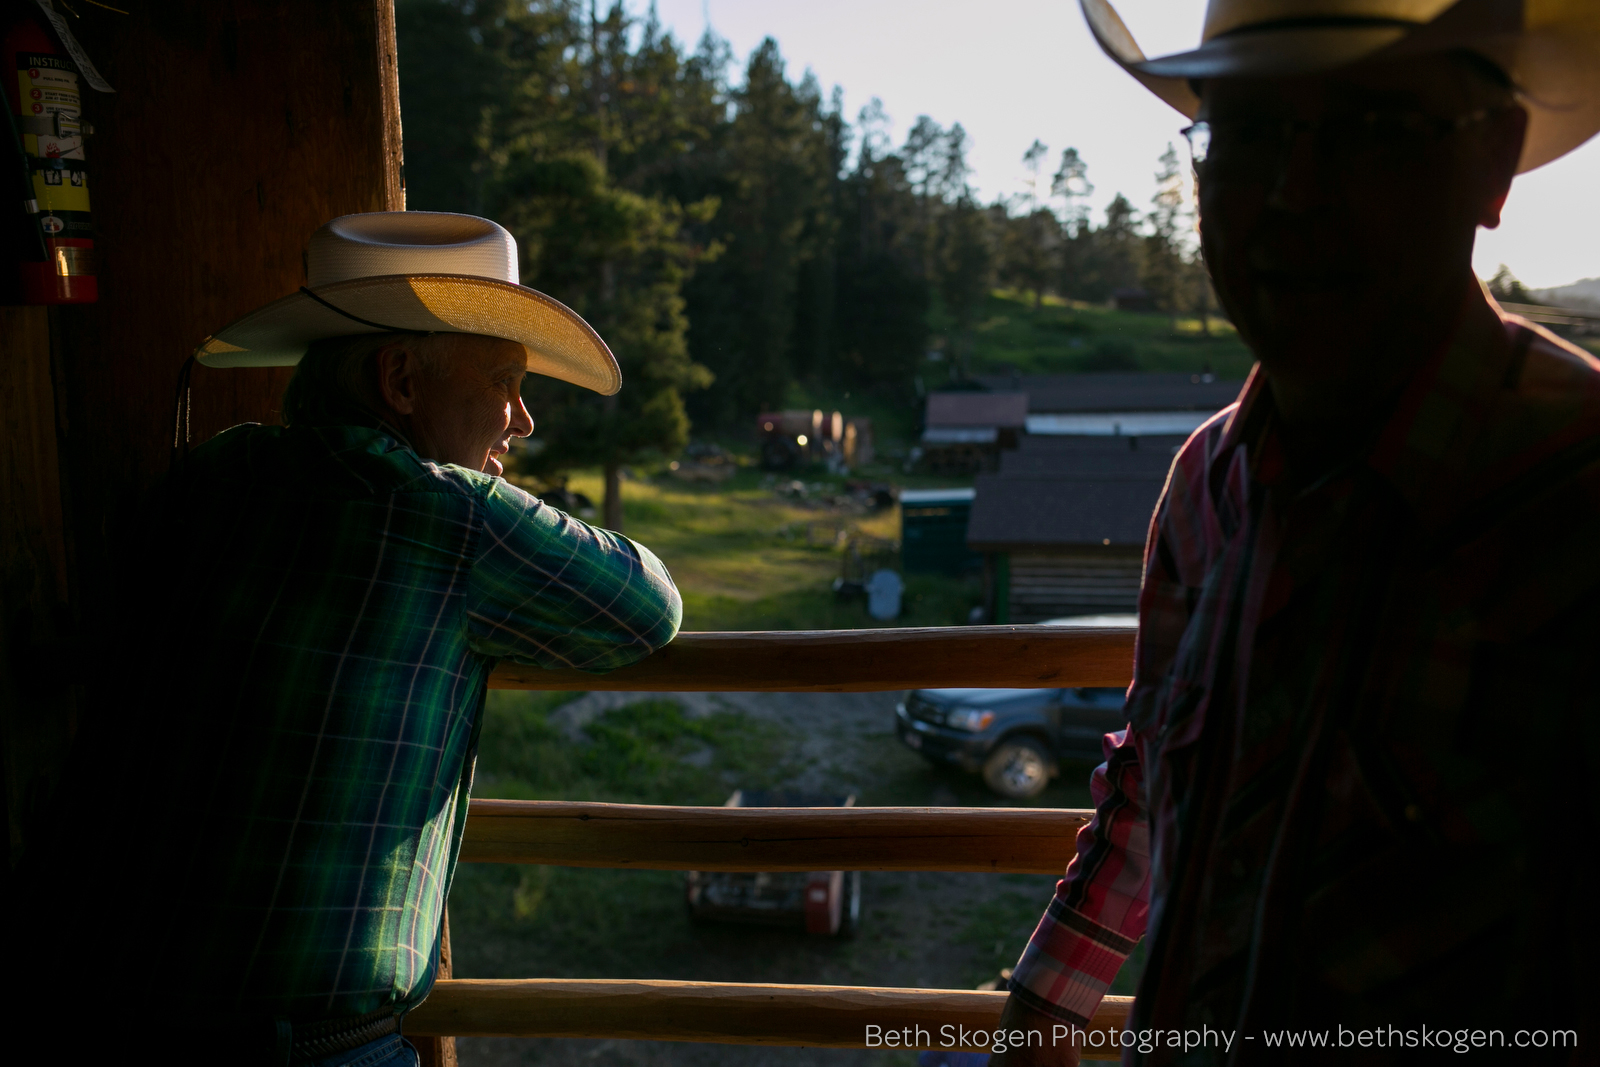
435 1050
35 604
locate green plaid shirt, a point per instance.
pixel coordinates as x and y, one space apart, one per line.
313 615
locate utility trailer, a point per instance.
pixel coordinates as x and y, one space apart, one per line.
825 903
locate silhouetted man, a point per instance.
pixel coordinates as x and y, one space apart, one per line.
1356 795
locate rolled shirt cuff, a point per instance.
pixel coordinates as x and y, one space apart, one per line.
1069 964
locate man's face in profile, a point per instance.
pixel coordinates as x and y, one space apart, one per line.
1339 210
468 410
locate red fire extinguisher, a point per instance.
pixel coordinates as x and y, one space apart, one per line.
46 114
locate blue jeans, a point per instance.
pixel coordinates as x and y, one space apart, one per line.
390 1050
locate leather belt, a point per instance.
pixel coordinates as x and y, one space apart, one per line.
315 1041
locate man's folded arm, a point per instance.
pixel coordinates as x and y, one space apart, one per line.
553 592
1100 907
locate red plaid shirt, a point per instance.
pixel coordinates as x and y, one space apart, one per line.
1312 811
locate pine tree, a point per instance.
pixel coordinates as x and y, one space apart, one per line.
1114 254
1166 261
570 116
1072 187
884 290
1505 287
965 271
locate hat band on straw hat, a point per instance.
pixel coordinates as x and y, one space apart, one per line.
357 318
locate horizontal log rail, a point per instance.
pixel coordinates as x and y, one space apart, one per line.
725 1013
782 839
860 661
651 837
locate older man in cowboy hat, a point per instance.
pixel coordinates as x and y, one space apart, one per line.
1354 812
311 615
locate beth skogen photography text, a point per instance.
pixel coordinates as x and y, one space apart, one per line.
956 1036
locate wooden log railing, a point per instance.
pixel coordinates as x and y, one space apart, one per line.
662 838
726 1013
780 839
860 661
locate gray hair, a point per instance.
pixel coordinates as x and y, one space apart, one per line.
336 380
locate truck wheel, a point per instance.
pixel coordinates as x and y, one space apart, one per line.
850 913
1018 768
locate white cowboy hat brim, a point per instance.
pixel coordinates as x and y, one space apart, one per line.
1553 59
558 342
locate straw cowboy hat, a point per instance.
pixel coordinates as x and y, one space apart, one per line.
1550 49
422 271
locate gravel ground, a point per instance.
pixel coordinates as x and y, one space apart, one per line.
839 741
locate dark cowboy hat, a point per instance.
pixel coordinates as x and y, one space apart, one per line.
1550 50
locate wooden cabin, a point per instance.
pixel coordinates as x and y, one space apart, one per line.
1062 524
966 431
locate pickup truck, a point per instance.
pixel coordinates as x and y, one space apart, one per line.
1014 738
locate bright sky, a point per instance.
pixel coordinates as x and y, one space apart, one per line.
1013 70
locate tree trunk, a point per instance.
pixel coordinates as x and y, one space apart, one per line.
612 519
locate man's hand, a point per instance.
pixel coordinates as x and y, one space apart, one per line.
1018 1016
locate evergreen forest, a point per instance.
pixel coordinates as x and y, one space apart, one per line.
729 230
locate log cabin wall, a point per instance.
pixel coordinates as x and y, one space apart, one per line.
1049 583
238 127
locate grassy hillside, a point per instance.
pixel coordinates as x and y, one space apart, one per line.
1061 337
747 557
1067 337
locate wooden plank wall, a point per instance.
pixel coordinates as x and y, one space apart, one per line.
1047 584
238 127
236 130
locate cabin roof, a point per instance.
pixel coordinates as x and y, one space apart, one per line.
1051 394
977 409
1110 508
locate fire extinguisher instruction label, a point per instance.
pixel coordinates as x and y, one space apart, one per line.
51 107
53 135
